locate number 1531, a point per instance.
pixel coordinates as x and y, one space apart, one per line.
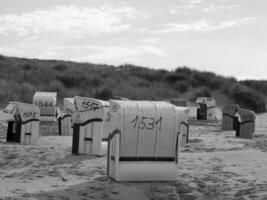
142 122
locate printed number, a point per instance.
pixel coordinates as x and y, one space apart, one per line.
45 104
146 122
29 114
87 105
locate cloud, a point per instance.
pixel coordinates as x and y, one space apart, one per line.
199 6
182 9
85 53
185 6
151 40
202 26
153 50
69 20
216 8
195 1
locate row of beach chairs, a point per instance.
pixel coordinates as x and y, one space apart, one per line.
140 138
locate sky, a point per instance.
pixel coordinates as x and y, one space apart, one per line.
228 37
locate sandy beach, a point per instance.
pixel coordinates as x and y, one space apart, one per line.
213 165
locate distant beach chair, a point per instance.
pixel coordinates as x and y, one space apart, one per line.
244 123
46 101
88 126
228 115
206 108
144 141
24 128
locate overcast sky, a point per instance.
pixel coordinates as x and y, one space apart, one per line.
228 37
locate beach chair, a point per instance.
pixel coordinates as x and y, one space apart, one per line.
244 123
46 101
206 108
144 141
89 120
24 128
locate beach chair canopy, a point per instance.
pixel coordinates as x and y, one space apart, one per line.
148 130
24 112
230 110
246 115
88 109
45 98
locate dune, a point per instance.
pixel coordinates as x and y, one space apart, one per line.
213 165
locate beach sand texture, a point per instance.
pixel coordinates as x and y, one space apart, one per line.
214 165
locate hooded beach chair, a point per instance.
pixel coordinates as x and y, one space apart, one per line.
46 101
89 120
244 123
144 141
24 128
206 108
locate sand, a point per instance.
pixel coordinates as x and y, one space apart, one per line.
213 165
